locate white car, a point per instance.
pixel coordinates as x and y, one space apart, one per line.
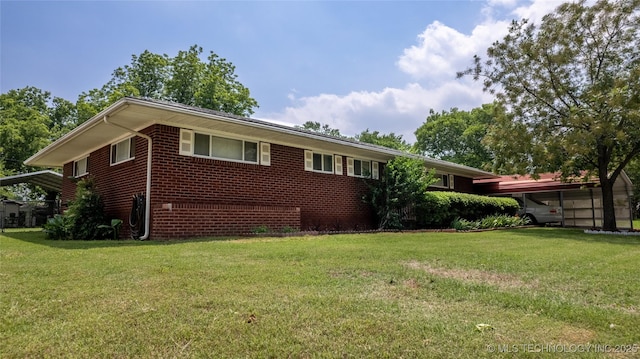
538 212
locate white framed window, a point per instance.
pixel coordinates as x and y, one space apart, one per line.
80 167
223 148
444 181
362 168
123 151
318 162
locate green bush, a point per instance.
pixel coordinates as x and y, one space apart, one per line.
57 228
84 219
494 221
401 185
86 212
439 209
261 230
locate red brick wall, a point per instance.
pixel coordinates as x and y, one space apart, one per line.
199 189
117 184
463 184
202 219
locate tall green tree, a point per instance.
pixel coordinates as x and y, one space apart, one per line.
29 120
457 136
185 79
390 140
572 89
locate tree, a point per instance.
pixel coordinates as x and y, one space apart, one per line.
390 140
572 90
456 136
320 128
400 188
24 126
184 78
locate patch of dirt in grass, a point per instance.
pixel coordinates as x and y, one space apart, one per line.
572 335
501 280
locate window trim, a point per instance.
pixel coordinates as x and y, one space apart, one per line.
132 148
362 175
442 176
374 168
86 167
309 162
190 142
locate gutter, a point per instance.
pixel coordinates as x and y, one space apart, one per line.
147 206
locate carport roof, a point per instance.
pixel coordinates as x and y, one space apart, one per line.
48 180
548 182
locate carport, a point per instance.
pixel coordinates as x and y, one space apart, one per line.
581 202
49 181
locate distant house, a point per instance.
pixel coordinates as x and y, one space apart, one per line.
210 174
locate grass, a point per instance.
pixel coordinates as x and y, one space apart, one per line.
374 295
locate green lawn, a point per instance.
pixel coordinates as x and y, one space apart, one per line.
369 295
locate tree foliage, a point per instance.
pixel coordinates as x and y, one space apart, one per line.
184 79
572 90
390 140
318 127
401 186
29 119
456 136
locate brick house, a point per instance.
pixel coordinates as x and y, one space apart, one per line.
209 173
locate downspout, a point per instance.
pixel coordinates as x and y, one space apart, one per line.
147 207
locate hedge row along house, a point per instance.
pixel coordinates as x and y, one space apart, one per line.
207 173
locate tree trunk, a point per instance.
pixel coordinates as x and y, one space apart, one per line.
608 207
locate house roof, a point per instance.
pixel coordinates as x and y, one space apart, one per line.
48 180
139 113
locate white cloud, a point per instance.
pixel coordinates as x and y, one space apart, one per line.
400 111
505 3
433 61
442 50
536 10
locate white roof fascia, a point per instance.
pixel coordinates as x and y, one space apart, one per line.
123 103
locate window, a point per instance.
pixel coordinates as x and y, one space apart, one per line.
443 181
221 147
80 167
362 168
319 162
322 162
123 150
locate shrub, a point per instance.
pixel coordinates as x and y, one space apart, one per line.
400 186
84 219
86 212
111 230
288 229
494 221
57 227
440 209
261 230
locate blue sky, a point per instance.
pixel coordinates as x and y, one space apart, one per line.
354 65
